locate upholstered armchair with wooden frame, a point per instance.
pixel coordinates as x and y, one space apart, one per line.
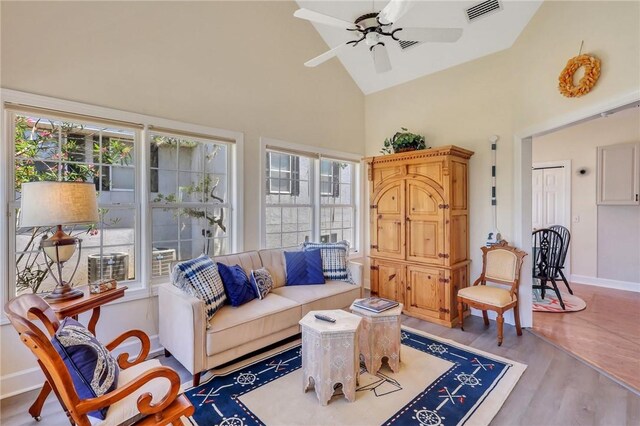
138 396
501 264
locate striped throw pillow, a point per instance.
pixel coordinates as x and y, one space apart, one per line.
334 259
199 277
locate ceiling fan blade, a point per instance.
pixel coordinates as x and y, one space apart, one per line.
324 57
321 18
393 11
381 60
436 35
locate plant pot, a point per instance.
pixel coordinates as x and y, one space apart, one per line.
407 149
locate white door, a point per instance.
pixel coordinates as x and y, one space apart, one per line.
549 194
551 197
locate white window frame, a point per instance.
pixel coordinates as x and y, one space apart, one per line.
314 195
141 287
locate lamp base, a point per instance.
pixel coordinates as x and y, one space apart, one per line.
62 293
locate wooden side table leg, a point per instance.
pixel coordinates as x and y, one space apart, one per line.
36 407
95 316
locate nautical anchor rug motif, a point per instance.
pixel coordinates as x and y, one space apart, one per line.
440 382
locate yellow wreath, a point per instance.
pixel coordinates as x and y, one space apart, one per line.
591 66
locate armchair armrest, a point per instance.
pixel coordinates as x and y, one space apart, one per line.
144 403
182 327
123 358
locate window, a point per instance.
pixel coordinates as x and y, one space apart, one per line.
47 148
164 193
295 211
289 209
189 197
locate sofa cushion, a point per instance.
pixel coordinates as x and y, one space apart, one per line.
236 284
249 260
92 368
273 260
199 277
304 267
232 327
332 295
334 259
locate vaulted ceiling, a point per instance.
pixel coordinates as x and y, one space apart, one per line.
482 36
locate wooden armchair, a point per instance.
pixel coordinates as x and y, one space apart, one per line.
501 264
137 396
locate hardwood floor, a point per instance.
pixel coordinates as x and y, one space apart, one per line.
556 388
606 334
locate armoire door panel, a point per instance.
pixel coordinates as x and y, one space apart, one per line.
389 240
390 279
430 170
424 291
423 240
459 239
425 224
459 186
387 222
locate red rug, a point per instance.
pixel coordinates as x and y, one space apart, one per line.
550 302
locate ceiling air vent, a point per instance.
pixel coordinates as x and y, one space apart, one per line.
483 9
405 44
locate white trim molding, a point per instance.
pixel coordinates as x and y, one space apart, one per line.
606 283
32 378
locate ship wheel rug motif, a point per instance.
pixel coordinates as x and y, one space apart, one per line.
440 382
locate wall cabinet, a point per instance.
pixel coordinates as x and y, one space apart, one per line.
419 225
618 174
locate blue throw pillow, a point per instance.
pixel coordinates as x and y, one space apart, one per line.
93 369
304 267
199 277
261 282
236 284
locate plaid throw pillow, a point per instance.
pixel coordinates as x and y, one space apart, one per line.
334 259
199 277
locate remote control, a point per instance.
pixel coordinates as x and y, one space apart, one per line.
325 318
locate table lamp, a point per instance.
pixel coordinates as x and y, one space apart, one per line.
57 204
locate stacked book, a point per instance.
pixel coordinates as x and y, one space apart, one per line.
375 304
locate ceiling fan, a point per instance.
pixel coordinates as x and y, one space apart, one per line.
375 29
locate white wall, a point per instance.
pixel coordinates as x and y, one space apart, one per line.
509 94
615 254
228 65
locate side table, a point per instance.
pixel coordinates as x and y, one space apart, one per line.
73 308
330 354
380 337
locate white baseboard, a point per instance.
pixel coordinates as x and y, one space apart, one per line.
32 378
603 282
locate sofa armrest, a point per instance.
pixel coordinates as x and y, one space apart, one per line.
182 327
356 270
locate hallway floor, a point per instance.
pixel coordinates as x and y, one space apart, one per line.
606 334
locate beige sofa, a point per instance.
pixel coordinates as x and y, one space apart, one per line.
233 332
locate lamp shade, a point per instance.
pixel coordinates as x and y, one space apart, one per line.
58 203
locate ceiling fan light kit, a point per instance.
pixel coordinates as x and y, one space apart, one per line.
376 29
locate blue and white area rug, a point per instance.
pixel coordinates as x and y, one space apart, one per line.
440 382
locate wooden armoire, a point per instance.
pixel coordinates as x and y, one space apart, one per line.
419 222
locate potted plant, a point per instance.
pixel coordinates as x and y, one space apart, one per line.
403 141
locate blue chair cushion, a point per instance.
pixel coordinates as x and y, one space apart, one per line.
93 369
303 267
236 284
